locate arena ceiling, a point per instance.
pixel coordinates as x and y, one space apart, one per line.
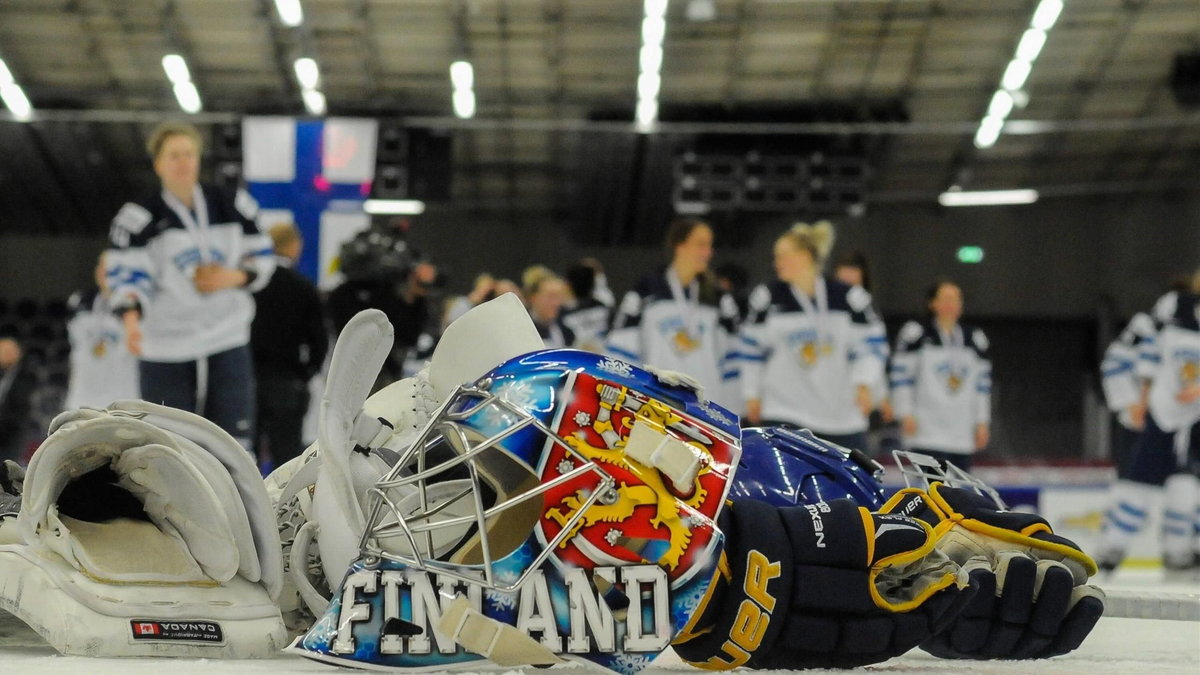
1100 117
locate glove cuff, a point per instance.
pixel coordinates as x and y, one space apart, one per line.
736 619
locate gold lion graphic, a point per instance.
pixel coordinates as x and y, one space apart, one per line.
628 497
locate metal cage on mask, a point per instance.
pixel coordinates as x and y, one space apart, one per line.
414 478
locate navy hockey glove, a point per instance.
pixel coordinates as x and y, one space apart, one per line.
819 586
1033 601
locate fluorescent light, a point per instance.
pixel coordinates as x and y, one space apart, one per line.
464 103
188 97
1046 14
649 84
647 112
654 28
290 12
655 8
314 101
1001 105
14 97
6 76
1031 45
1015 74
462 75
176 69
989 131
394 207
307 72
988 198
650 58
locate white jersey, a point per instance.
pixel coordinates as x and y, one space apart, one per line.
156 247
666 326
804 357
102 368
944 381
589 322
1170 360
1118 370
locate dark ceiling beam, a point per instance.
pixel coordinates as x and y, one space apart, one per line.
281 52
372 66
881 35
827 51
502 18
743 15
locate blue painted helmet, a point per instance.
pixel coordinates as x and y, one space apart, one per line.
789 467
562 507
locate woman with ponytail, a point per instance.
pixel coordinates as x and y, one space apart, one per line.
813 346
677 319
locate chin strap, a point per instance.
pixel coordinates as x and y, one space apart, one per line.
499 642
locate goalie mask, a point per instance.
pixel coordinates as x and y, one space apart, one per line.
563 506
787 467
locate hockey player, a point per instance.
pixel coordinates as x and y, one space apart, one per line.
1166 456
676 319
182 265
941 380
1123 387
814 351
586 316
102 368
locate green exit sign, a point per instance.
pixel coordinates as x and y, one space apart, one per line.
970 254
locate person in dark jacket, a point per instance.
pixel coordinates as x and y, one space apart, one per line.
17 382
288 340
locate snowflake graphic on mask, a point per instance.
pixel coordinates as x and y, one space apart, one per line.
582 418
631 663
615 366
612 536
715 413
564 465
500 599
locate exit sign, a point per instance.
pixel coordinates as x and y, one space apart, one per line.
970 254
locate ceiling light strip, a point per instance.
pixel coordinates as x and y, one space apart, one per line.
650 59
1016 74
13 95
180 76
462 77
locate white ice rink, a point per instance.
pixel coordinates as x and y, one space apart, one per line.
1126 646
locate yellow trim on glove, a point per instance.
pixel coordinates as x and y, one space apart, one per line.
905 558
1021 538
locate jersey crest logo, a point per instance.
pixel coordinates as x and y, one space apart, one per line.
641 519
1189 372
683 342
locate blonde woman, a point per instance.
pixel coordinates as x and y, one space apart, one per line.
813 348
677 319
182 264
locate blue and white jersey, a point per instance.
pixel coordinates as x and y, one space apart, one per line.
102 368
588 320
682 329
944 381
804 357
157 244
1170 360
1119 369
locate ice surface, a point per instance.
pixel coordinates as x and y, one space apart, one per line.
1116 646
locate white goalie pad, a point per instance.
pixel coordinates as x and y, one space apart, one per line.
357 434
144 530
